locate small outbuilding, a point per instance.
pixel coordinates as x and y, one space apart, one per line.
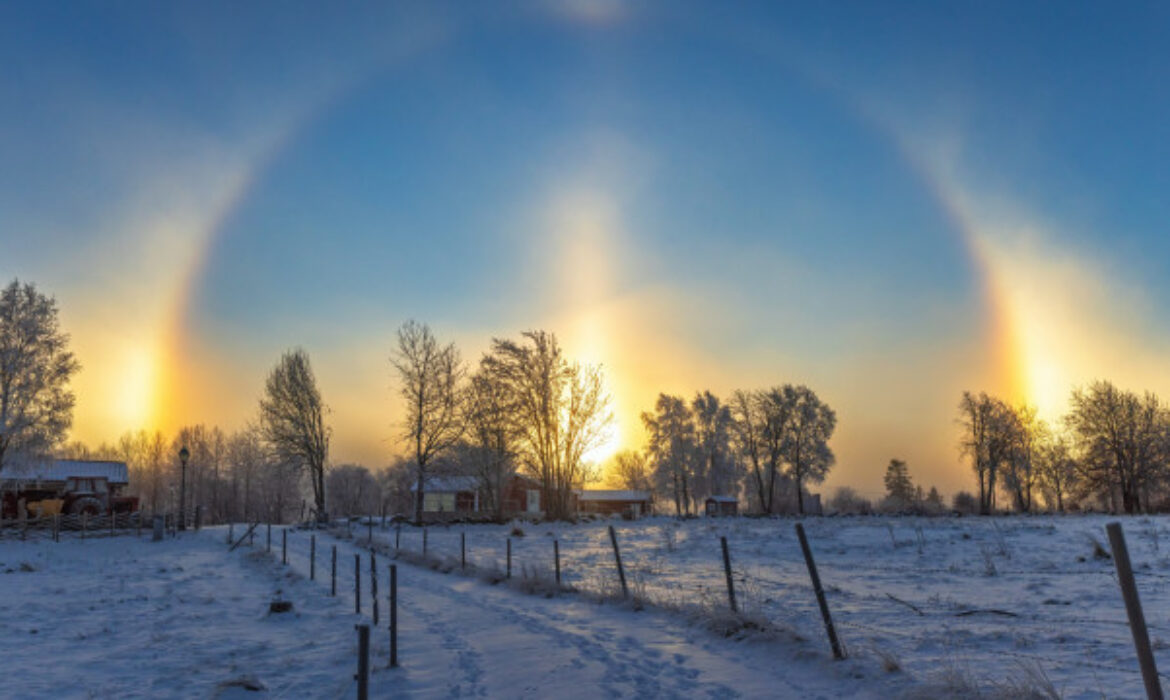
722 506
630 504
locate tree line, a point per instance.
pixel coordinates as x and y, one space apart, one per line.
769 444
1110 451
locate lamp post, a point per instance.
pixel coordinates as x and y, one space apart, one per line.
184 454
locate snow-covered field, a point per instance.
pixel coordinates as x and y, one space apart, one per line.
123 617
949 601
995 601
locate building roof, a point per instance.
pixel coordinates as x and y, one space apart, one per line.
724 499
448 484
62 469
604 495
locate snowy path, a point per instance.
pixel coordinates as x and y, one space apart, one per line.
128 618
462 637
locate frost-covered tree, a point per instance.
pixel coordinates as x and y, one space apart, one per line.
292 421
673 450
806 446
717 474
560 409
430 374
491 435
36 405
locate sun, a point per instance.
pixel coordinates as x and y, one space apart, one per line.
608 446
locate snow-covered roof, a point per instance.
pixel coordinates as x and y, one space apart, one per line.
724 499
604 495
446 484
62 469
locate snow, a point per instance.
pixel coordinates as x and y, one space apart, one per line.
929 593
62 469
127 617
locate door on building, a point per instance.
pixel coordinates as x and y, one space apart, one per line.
533 501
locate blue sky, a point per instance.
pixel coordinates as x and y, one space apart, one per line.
865 198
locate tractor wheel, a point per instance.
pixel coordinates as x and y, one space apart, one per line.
87 505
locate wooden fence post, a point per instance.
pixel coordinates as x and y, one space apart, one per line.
838 652
357 584
312 557
617 555
397 537
727 573
557 560
1133 608
374 586
462 550
363 666
393 615
284 546
333 573
509 557
269 545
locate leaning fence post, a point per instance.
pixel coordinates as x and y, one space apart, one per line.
374 585
617 555
357 584
816 582
363 669
509 557
727 573
393 615
557 560
1133 608
333 573
312 557
284 546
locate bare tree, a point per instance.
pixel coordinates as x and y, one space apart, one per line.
630 470
352 490
36 405
491 435
292 421
988 438
560 411
1026 432
430 376
1122 439
1056 469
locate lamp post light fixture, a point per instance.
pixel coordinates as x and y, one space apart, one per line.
184 454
